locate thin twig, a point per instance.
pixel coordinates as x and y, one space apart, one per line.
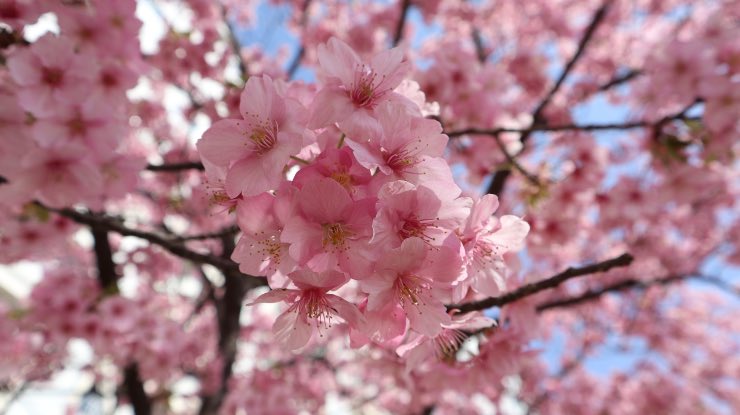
619 80
298 59
499 179
591 295
175 247
14 397
574 127
531 177
535 287
398 34
236 47
176 167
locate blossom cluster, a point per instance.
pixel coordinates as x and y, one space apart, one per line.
371 228
64 103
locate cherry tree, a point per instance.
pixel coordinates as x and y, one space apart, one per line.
412 207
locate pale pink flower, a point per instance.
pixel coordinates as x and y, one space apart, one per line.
444 345
404 148
255 149
341 166
17 13
51 74
311 309
259 251
58 176
486 239
353 88
91 126
406 276
329 230
406 211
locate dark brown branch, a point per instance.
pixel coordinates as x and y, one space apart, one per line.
176 167
9 38
619 80
107 276
574 127
499 179
512 160
535 287
587 35
133 387
228 311
173 246
480 50
591 295
398 34
135 390
296 63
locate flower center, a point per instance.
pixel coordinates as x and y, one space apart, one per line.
314 305
410 288
335 236
448 343
343 178
363 90
401 159
263 136
52 76
269 247
76 126
415 227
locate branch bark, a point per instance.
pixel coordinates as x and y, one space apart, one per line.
173 246
591 295
574 127
108 280
398 34
535 287
176 167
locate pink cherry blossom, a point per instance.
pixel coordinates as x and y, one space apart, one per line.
259 250
486 239
51 74
405 277
311 309
254 150
407 211
329 230
354 88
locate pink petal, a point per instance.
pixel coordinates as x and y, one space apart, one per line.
224 143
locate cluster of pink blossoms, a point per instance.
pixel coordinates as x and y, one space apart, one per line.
371 228
64 105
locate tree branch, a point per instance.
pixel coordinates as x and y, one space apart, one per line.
173 246
499 179
398 34
236 47
574 127
619 80
296 63
228 312
135 390
531 177
107 276
535 287
108 280
618 286
176 167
